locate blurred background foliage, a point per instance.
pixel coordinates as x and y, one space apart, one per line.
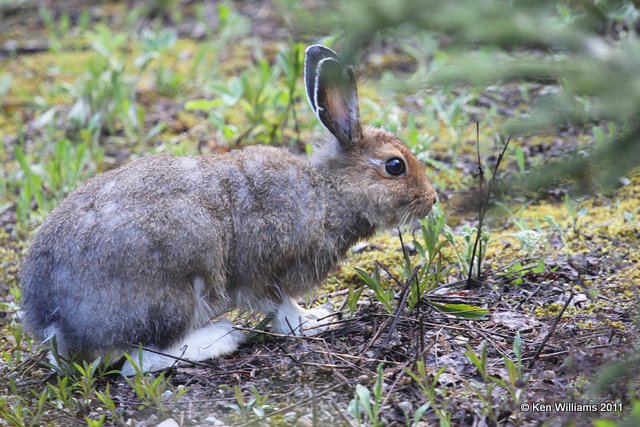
144 80
587 52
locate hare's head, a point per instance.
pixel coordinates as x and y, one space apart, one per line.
374 168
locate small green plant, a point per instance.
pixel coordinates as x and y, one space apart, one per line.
86 379
98 422
423 277
382 294
105 94
551 221
516 379
414 420
291 63
57 30
472 263
108 403
513 384
46 182
265 95
517 272
420 144
362 401
630 217
453 116
434 394
521 159
256 406
232 25
352 299
482 389
575 211
22 344
19 411
153 392
227 95
153 45
435 236
63 392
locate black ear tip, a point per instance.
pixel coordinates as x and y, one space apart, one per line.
317 50
313 49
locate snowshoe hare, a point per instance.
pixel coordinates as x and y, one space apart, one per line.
148 253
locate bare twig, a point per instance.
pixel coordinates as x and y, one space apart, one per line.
551 331
563 352
418 316
344 419
190 132
482 210
403 299
377 334
177 358
275 334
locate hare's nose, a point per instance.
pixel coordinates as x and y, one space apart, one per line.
432 197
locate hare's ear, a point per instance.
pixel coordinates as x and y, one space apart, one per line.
312 57
332 93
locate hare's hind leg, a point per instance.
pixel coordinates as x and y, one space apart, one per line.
59 350
205 343
294 320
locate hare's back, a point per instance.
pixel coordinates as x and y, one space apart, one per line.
147 215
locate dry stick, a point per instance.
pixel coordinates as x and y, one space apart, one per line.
376 335
345 420
290 356
333 366
480 208
383 326
177 359
343 356
418 316
553 328
275 334
184 135
483 206
391 275
403 299
561 352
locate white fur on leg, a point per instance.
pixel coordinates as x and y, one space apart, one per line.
295 320
51 335
202 344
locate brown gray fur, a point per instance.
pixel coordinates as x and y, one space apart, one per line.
113 266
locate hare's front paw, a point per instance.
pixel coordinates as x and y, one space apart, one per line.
294 320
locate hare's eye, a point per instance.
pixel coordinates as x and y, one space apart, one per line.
395 167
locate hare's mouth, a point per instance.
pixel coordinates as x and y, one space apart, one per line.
412 214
